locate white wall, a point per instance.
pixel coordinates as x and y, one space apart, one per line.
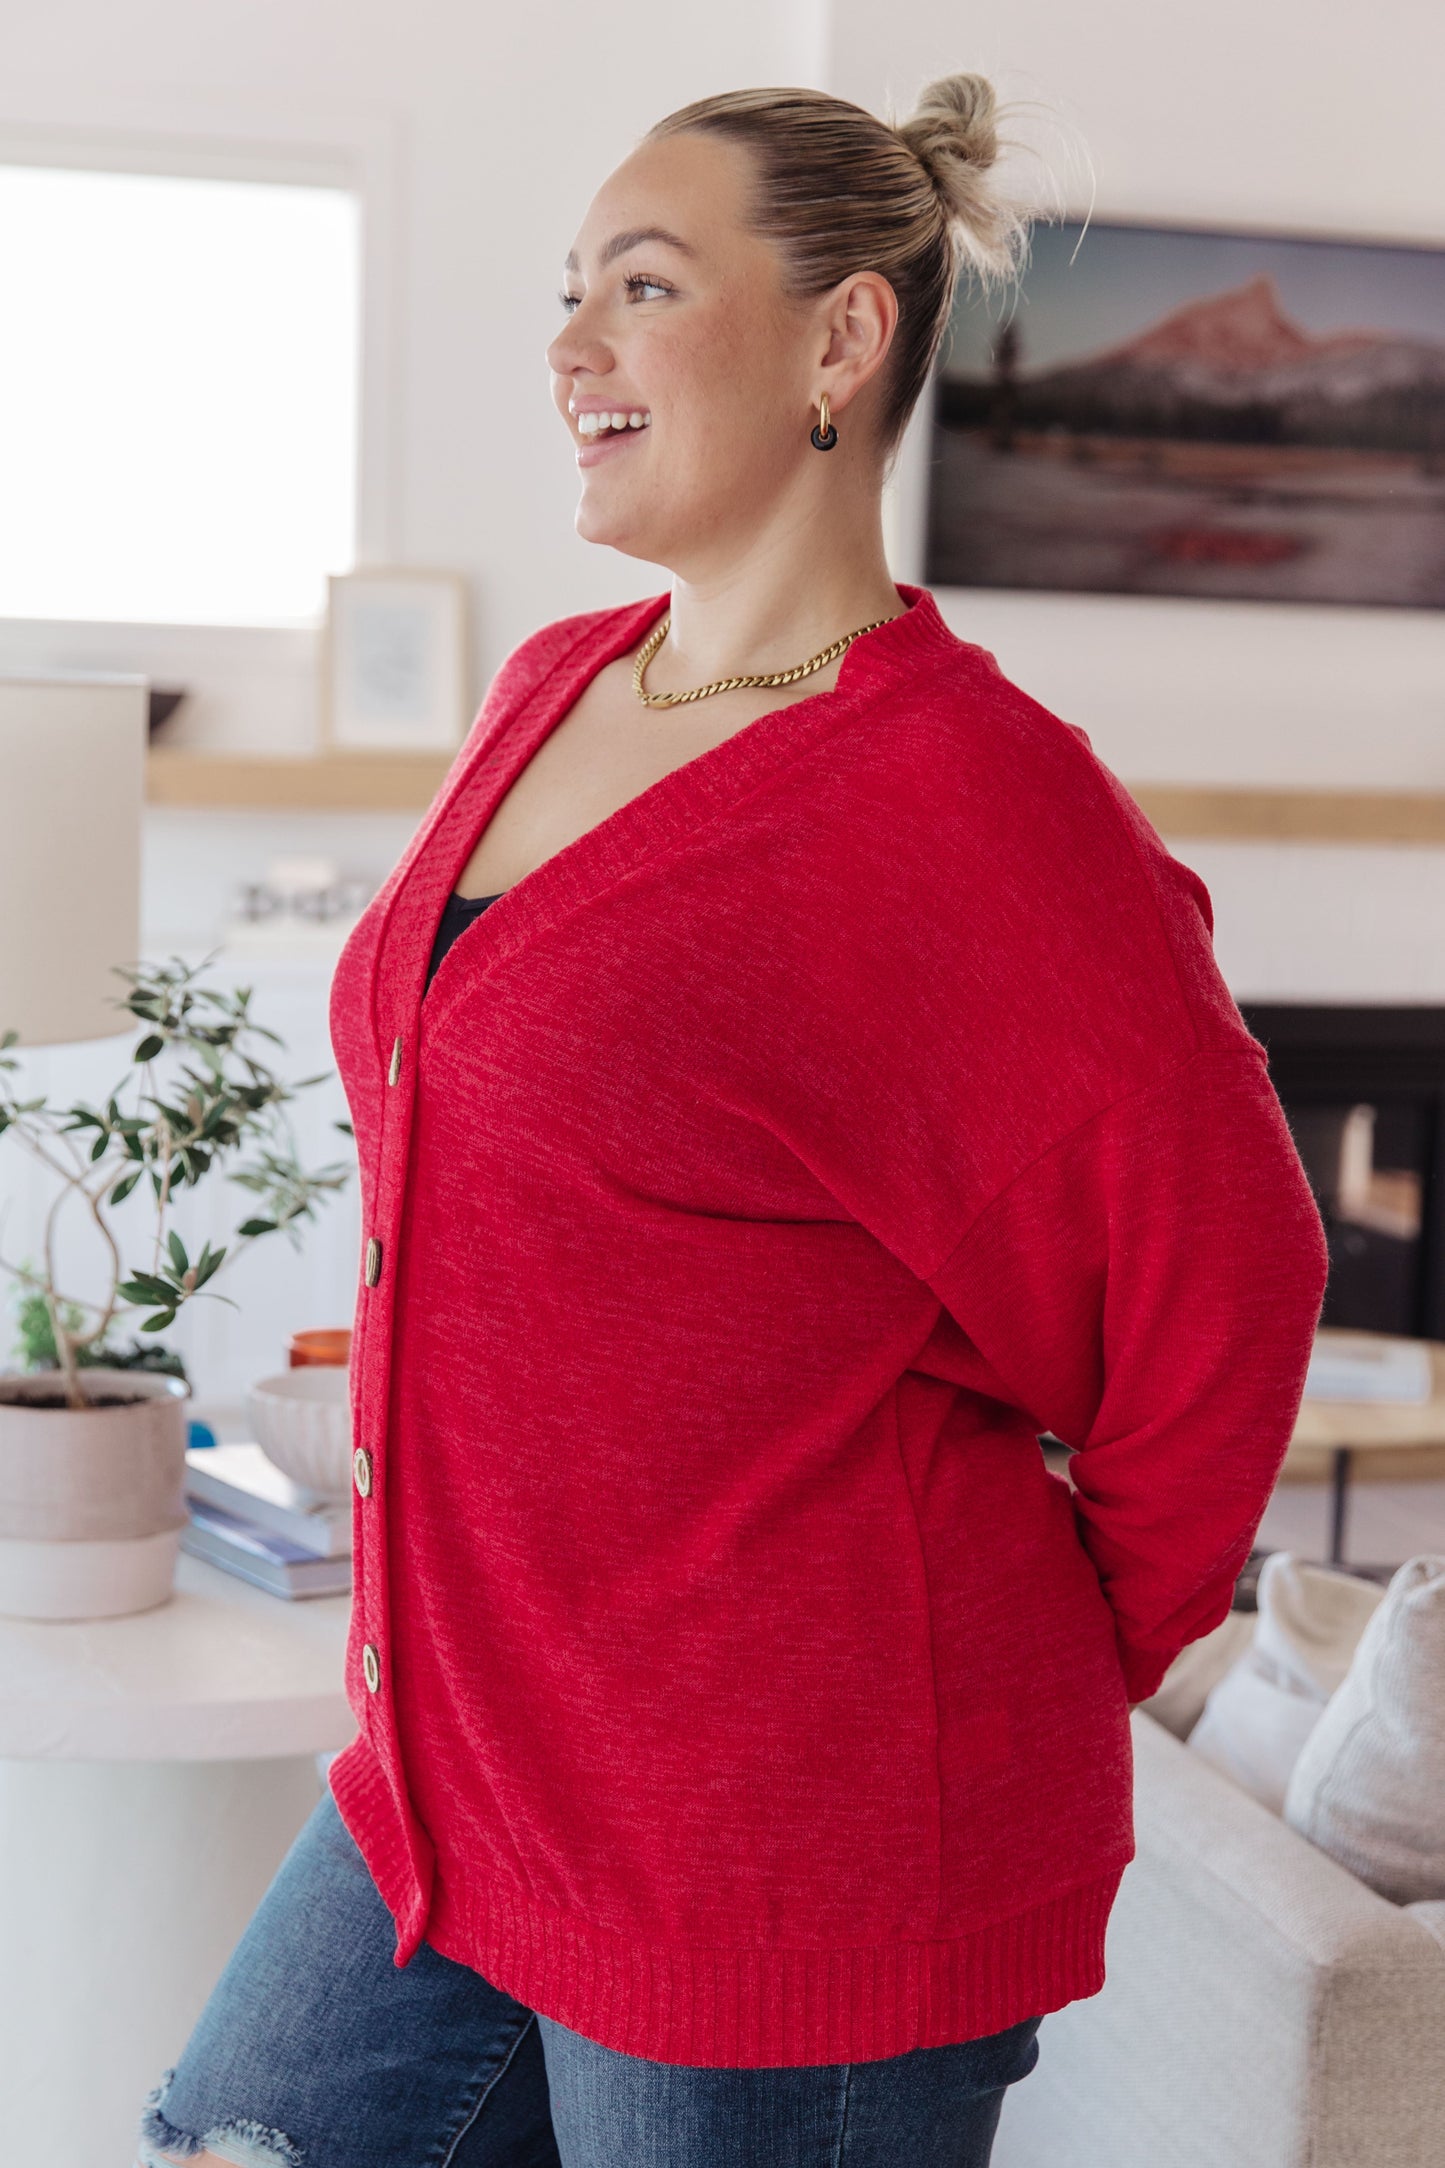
1323 114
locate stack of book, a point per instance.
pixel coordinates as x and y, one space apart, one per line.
248 1517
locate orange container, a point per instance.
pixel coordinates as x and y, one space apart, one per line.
331 1347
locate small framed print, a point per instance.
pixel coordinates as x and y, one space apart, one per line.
395 661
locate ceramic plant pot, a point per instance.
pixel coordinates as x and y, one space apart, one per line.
92 1500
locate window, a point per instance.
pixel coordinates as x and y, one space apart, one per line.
179 375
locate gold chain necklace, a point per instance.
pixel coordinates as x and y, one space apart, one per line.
655 639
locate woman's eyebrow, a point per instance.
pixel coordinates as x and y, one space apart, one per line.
633 238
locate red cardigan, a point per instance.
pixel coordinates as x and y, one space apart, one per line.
759 1178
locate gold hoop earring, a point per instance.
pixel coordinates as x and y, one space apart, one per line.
825 436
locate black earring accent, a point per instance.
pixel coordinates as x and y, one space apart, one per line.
826 437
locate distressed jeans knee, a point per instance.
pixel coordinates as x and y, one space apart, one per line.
240 2140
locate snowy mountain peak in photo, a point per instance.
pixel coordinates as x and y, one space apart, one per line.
1242 329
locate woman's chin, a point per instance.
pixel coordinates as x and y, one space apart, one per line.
616 526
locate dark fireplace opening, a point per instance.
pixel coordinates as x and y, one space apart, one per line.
1363 1091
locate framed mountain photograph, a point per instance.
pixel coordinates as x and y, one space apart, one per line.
1165 411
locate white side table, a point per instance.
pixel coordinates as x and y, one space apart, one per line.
153 1773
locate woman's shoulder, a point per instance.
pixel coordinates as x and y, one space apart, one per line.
984 751
540 654
564 637
1018 827
960 711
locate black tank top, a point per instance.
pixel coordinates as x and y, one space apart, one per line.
457 916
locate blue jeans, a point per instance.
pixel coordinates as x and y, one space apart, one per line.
315 2051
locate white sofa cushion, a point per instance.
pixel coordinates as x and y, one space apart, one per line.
1262 2006
1368 1786
1179 1700
1257 1718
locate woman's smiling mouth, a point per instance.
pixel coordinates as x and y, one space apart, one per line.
595 424
603 429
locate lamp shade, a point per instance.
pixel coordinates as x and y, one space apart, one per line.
72 787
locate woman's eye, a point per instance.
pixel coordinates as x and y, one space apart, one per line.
636 283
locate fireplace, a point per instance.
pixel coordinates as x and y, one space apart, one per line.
1363 1090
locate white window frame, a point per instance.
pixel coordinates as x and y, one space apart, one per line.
275 665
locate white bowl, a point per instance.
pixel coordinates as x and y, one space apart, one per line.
302 1421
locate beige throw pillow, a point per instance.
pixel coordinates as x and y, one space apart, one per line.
1257 1718
1368 1786
1178 1701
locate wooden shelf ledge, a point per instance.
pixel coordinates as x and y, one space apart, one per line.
407 783
1294 816
324 782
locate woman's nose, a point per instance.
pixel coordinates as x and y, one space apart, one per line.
576 347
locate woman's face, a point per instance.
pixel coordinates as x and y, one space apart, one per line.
676 312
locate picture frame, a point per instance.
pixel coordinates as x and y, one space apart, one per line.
395 669
1231 414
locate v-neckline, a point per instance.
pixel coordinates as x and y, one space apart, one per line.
666 812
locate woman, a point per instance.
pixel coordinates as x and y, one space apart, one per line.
789 1077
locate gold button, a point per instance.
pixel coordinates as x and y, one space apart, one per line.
370 1668
395 1070
361 1464
373 1261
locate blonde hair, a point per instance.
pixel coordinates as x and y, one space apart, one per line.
837 190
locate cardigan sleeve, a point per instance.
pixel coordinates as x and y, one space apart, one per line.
1148 1289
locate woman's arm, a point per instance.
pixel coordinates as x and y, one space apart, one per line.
1148 1289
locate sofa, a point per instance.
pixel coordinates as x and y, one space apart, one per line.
1261 2009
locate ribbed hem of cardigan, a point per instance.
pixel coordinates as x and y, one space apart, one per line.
766 2008
731 2008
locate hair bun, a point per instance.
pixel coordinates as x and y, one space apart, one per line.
952 132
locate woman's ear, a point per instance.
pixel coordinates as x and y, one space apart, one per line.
862 315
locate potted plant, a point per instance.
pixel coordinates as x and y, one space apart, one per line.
93 1434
